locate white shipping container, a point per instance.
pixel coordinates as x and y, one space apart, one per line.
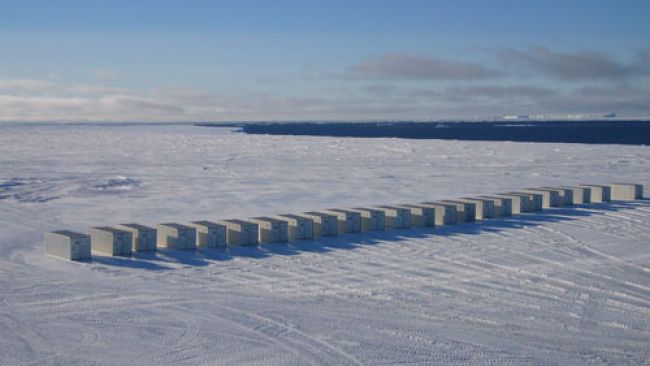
325 224
300 227
445 213
502 205
111 241
176 236
372 219
143 238
241 232
272 230
534 200
484 207
209 234
550 198
66 244
626 191
422 216
566 195
396 217
465 211
349 220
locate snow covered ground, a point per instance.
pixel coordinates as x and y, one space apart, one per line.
567 286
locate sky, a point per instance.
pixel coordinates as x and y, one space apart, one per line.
195 60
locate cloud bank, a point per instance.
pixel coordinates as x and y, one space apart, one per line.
395 66
572 66
390 86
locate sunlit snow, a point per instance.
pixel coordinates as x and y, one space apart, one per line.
565 286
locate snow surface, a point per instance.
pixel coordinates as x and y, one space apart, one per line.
567 286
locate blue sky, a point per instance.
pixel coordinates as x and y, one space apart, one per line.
321 60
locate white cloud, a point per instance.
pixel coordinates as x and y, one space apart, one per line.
395 66
581 65
391 97
184 93
88 89
52 87
26 85
109 108
498 92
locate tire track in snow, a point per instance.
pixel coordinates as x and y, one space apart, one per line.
268 338
292 330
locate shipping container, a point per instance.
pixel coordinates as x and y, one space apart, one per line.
143 238
209 234
176 236
66 244
110 241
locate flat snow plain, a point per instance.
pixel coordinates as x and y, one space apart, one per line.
568 286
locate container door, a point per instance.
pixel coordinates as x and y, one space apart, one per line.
298 228
399 218
144 241
118 245
427 219
124 246
179 240
284 231
251 235
374 221
357 223
152 239
221 242
212 237
245 235
275 232
75 249
308 230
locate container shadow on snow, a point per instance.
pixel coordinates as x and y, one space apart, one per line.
156 261
135 262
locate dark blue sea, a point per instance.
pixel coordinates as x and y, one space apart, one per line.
584 132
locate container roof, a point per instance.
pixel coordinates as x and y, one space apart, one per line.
497 196
110 229
175 225
390 207
69 233
137 226
238 221
316 213
205 223
341 210
438 203
534 190
472 199
367 209
267 218
414 205
293 216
